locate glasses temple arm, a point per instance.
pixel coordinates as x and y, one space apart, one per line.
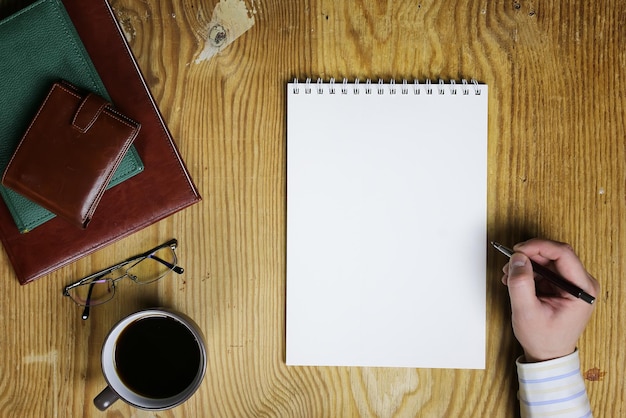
87 302
174 267
96 275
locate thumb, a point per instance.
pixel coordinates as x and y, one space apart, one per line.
521 283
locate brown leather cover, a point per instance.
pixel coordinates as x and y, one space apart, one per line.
163 188
69 153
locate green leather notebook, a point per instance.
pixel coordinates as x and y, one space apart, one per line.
38 46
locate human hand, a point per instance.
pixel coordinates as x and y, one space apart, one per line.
547 321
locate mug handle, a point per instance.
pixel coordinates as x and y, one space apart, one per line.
105 398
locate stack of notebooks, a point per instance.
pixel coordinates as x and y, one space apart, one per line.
82 43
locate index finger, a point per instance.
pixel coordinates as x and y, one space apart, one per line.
564 259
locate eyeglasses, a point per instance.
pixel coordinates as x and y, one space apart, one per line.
98 288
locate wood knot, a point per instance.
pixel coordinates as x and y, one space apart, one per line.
217 35
594 374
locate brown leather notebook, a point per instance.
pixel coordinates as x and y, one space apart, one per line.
164 187
69 153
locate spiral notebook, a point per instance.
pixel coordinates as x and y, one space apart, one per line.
386 223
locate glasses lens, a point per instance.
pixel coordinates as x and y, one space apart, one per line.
153 267
93 293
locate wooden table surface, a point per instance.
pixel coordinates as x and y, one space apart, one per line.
556 169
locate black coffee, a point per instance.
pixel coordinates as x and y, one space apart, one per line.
157 357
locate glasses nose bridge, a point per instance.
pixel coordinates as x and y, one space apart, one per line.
131 276
123 273
127 274
135 270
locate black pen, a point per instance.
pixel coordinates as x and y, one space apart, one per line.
551 276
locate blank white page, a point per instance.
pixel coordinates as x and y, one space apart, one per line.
386 225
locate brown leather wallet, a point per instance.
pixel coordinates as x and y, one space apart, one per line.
69 153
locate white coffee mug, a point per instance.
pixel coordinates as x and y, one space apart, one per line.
154 359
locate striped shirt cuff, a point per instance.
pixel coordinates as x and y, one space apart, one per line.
553 388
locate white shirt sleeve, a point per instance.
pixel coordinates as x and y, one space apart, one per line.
553 388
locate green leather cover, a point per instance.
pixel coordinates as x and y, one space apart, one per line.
38 46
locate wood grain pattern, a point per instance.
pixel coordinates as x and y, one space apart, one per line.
556 169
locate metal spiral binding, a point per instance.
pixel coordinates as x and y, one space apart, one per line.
428 88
